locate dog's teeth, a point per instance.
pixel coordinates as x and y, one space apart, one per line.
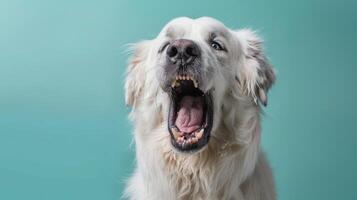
173 83
194 140
176 132
195 83
199 134
180 139
189 141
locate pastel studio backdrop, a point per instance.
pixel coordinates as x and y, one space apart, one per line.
64 133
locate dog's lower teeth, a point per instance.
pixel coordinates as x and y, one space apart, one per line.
183 139
199 134
177 134
180 139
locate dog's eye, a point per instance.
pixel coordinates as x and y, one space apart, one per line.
215 45
163 47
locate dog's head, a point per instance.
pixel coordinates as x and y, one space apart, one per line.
192 68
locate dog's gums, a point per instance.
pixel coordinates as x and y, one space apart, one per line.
190 115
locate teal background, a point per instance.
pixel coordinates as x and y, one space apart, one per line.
64 133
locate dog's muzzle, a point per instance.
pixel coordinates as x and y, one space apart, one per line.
191 109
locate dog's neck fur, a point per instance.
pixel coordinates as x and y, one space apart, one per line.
216 172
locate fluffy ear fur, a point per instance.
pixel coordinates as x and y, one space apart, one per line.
135 77
254 74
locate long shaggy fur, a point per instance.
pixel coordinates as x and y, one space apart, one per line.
232 165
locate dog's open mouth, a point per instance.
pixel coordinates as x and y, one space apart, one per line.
190 115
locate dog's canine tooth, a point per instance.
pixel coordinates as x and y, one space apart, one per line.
173 84
194 140
199 134
176 132
195 83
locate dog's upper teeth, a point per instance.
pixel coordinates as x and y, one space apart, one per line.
195 83
176 82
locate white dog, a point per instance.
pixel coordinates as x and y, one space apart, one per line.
196 93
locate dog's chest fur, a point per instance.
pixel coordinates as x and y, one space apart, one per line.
200 176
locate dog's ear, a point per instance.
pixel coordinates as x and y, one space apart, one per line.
135 76
254 75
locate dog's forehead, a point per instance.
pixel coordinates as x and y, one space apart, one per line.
184 26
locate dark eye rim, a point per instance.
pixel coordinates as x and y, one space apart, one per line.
217 46
163 47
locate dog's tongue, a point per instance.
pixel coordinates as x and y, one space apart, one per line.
190 114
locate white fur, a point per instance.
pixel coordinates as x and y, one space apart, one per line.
232 165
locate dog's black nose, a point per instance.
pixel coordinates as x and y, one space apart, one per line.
182 50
